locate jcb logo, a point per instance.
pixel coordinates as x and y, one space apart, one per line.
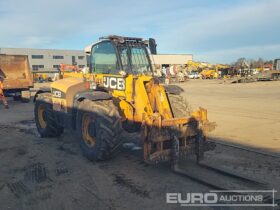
57 94
116 83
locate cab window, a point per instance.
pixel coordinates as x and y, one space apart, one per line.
104 59
134 59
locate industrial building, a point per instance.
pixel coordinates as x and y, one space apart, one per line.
171 59
49 59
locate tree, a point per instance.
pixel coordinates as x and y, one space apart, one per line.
240 63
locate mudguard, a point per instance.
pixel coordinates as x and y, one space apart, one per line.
93 96
43 90
173 89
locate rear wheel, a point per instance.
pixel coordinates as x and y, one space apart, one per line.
99 129
44 118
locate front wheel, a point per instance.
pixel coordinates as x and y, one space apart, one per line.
99 129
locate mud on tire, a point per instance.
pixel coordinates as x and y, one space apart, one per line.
44 118
179 106
99 129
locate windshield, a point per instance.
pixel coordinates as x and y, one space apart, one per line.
135 59
104 59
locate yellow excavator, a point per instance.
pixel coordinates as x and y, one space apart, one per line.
196 66
119 98
209 74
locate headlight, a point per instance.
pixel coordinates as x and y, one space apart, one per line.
91 85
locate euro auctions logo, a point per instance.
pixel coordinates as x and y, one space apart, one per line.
192 198
224 198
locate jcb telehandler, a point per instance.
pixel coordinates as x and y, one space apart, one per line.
119 95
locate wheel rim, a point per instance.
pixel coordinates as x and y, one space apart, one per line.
88 130
42 117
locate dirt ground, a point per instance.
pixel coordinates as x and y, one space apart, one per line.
246 113
51 173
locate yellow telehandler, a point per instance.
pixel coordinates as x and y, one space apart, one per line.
120 98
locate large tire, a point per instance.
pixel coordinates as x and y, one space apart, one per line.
179 107
99 129
44 118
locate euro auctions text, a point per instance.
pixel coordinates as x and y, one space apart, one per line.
224 198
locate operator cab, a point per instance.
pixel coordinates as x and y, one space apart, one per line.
113 54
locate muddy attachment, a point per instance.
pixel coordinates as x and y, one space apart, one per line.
178 138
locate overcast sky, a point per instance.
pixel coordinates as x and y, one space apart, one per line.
211 30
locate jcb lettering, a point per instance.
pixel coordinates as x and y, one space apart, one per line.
57 94
114 83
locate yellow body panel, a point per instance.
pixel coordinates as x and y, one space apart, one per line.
64 91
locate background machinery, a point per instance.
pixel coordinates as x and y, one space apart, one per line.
273 74
18 77
276 64
120 98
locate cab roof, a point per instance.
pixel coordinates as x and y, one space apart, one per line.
116 39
